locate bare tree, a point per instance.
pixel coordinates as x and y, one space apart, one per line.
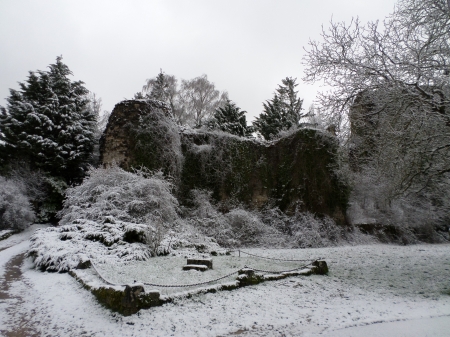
191 102
200 98
392 80
165 88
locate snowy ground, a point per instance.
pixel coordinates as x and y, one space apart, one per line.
370 290
168 270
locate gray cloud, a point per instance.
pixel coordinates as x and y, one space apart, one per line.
244 46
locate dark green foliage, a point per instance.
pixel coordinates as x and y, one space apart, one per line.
291 104
294 173
230 119
139 95
280 113
271 121
48 123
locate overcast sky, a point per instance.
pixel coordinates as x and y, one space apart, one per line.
244 46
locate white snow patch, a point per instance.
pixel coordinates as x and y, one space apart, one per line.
366 285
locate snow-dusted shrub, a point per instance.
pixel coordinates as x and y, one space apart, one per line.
63 248
305 229
139 197
421 216
269 227
311 231
113 214
44 191
236 228
15 207
32 180
116 216
246 227
205 217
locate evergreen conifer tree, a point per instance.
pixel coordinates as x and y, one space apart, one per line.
231 119
160 87
282 112
292 105
271 121
48 123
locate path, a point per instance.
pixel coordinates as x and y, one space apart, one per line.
402 287
14 322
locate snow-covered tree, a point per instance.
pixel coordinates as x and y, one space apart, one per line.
230 118
102 121
271 121
165 88
49 123
395 78
282 112
291 103
192 102
391 81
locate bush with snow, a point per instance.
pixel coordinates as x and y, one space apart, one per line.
139 196
15 208
421 216
305 229
205 217
116 216
44 191
267 228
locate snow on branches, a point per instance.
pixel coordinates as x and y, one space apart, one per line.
114 214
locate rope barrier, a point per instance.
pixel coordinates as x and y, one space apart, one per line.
210 281
104 279
166 285
282 271
271 258
191 285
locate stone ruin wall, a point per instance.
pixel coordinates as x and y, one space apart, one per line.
295 172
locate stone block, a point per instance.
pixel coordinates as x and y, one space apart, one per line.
84 264
247 276
198 267
205 262
320 267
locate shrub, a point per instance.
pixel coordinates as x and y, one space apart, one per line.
15 208
113 216
236 228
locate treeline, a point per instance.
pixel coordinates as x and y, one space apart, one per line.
198 103
51 126
387 100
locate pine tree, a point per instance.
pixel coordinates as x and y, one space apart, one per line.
271 121
282 112
160 87
292 105
231 119
49 124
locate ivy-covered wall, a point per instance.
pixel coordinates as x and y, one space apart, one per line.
295 172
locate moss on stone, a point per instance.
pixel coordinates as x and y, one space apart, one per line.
295 172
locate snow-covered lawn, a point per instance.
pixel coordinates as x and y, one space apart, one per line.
168 270
366 285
